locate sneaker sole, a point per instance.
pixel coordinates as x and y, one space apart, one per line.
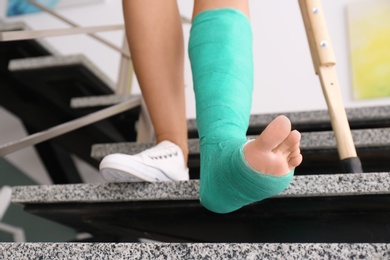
113 169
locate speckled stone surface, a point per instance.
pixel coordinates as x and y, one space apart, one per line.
379 137
301 186
317 116
192 251
54 61
103 100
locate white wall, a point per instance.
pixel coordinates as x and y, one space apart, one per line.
284 75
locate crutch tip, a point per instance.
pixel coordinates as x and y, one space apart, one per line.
351 165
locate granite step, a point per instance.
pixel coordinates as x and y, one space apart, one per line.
316 120
301 186
337 208
100 101
50 62
318 149
193 251
363 138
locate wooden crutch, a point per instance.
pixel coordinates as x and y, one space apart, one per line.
324 65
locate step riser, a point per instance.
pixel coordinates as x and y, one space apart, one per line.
353 219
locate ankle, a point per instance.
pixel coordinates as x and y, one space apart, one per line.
184 149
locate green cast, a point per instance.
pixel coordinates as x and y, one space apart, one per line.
220 50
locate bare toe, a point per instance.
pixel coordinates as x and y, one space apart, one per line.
291 143
293 152
276 151
274 134
295 161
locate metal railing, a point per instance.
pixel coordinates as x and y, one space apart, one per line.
27 35
69 126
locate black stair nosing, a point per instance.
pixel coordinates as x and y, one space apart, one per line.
59 61
194 250
378 137
356 184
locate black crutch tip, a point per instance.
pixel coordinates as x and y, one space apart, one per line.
352 165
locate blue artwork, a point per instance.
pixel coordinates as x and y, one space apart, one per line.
19 7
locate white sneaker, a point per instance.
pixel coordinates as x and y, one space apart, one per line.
163 162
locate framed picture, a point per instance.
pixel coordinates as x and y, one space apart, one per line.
369 41
11 8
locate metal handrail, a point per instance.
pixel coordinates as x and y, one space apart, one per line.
66 20
69 126
34 34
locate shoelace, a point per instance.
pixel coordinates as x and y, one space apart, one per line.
163 154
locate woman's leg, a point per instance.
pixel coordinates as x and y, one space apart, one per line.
234 173
154 32
204 5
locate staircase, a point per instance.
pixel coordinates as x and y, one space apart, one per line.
324 213
37 81
320 215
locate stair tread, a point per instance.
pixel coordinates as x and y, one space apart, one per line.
379 137
103 100
358 113
301 186
195 250
261 120
58 61
316 116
